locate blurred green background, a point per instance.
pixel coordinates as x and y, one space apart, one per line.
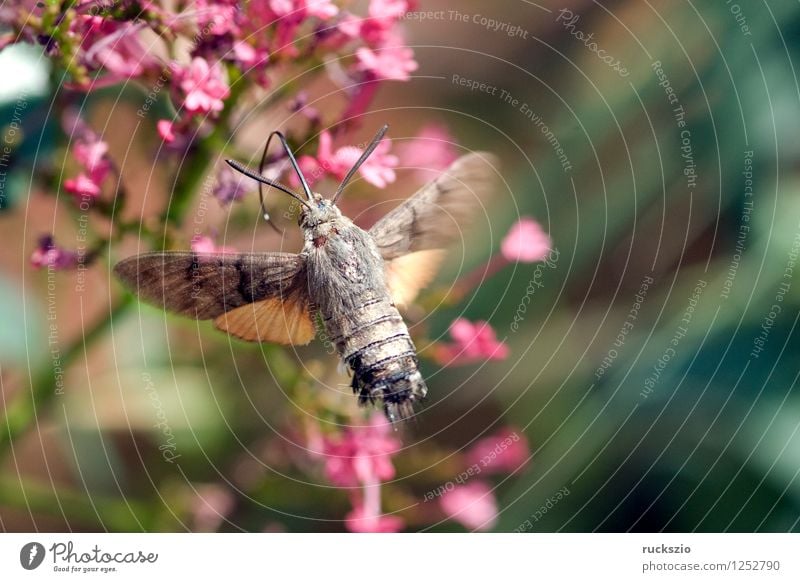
681 174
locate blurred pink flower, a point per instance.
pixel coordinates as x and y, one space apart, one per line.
473 505
92 155
362 454
526 242
336 163
503 452
47 254
300 9
377 28
206 245
82 186
359 520
211 506
230 186
388 9
202 86
166 130
75 126
474 342
251 57
19 12
217 17
378 169
430 152
394 63
113 46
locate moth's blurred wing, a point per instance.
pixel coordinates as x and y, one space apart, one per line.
253 296
437 215
411 237
408 274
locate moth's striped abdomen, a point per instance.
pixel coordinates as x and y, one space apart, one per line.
375 343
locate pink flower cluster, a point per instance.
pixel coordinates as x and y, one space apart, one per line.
473 503
200 87
92 154
361 457
113 47
378 169
48 254
228 38
525 242
473 342
386 56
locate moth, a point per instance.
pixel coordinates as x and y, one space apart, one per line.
354 280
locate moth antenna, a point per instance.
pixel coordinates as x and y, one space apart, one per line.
294 163
239 167
261 167
370 148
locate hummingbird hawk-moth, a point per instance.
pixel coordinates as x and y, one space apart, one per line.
355 280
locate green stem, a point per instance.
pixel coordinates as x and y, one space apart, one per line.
192 173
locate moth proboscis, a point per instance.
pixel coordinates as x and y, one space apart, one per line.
354 279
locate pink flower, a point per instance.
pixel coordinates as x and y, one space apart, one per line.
503 452
359 520
211 506
166 130
362 454
378 169
339 162
82 186
229 186
205 245
47 254
92 155
322 9
474 342
203 86
375 30
394 63
526 242
249 56
217 17
114 46
472 505
300 9
388 9
430 152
